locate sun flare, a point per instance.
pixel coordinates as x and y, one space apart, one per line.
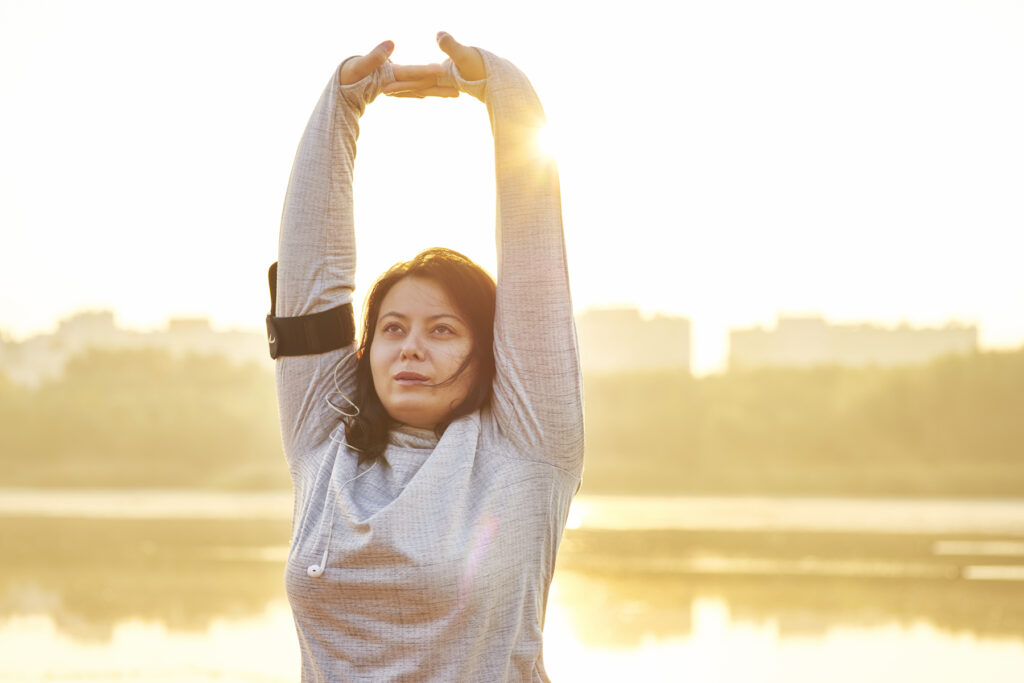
546 141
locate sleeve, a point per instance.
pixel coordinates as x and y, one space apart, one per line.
538 398
316 258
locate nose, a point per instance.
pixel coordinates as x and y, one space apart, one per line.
412 348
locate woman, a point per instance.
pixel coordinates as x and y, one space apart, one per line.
423 549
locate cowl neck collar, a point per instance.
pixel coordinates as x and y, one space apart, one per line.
404 436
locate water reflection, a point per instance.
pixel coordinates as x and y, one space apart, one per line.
90 574
803 582
663 604
725 648
259 648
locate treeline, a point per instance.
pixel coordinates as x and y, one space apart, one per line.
955 427
144 418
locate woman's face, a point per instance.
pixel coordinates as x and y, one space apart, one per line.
420 340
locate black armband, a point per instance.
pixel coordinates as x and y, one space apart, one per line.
305 335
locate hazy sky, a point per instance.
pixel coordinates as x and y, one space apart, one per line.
723 160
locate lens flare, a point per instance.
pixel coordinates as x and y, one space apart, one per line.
546 141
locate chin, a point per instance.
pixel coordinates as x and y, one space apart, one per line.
413 416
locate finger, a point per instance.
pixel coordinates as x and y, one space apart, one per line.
361 67
401 86
437 91
450 46
379 55
414 72
467 59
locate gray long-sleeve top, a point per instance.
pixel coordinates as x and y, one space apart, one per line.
436 565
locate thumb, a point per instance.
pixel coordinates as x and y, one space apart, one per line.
380 54
450 46
466 58
356 69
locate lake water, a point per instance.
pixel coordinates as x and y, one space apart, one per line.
187 586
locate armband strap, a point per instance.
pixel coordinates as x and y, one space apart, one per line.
305 335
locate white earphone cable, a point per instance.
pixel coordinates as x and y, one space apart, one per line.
317 570
345 416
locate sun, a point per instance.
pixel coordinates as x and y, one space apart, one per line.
546 141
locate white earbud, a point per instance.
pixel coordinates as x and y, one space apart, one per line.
315 570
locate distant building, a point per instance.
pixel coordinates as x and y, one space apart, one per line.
43 357
810 341
619 339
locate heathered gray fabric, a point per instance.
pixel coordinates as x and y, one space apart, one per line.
439 562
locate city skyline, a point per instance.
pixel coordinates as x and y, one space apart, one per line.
611 340
705 357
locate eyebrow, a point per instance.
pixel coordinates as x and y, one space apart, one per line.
402 316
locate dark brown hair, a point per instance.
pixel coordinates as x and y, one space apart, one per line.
473 292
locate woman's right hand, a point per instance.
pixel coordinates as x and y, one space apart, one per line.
356 69
420 78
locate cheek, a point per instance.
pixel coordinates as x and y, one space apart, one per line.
379 362
469 375
455 354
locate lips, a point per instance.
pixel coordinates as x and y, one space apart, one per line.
409 378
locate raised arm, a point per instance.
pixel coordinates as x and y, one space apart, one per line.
538 389
316 251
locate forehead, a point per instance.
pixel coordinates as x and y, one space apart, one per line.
412 296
